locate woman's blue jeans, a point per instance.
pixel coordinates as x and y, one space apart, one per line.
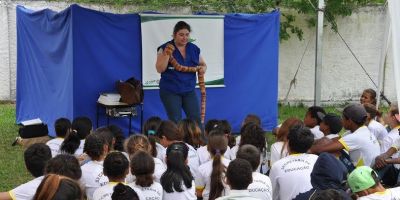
174 103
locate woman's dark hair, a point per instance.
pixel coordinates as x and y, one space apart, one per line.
191 132
116 165
239 174
65 165
150 129
56 187
314 110
217 145
253 134
181 25
169 130
118 136
142 166
124 192
82 126
300 139
36 156
251 154
62 127
177 170
94 146
371 110
71 143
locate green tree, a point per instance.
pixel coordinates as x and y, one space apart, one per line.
333 9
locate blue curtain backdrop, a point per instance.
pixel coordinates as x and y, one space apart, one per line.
66 59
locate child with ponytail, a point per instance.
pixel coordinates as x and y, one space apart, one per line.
209 181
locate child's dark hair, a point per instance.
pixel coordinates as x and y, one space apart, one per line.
191 132
253 134
142 166
118 136
115 165
314 110
137 143
150 129
251 154
251 118
65 165
71 143
94 146
181 25
62 127
124 192
217 145
107 135
56 187
36 156
211 124
177 170
169 130
330 194
227 129
300 139
239 174
82 126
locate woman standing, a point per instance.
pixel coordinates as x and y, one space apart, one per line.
177 89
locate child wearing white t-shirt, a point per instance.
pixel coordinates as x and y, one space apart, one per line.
191 131
177 181
313 120
35 157
136 143
55 186
62 127
291 175
142 167
209 181
92 172
115 167
74 141
261 186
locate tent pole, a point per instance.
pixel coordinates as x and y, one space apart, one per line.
318 53
384 51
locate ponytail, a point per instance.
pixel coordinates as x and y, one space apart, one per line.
71 143
216 176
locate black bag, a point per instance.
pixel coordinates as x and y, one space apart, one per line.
32 131
131 91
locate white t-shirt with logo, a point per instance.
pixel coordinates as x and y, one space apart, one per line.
27 190
316 132
390 140
291 175
261 186
205 156
378 130
362 146
388 194
55 145
93 177
186 194
203 179
277 153
154 192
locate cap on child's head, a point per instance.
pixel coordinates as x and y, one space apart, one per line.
355 112
361 179
334 122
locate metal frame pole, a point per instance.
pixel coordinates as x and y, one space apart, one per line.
318 53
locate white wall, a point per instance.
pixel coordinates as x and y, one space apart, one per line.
343 79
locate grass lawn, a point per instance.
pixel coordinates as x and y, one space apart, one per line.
12 169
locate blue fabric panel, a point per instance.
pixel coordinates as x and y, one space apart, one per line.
107 48
44 65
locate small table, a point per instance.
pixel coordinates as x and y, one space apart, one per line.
119 109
